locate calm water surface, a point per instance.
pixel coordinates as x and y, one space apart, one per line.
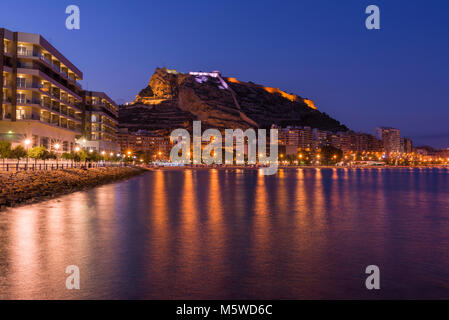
301 234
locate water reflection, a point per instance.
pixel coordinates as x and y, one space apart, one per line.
304 233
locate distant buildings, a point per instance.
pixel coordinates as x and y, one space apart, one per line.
42 101
406 145
142 141
306 138
295 137
391 139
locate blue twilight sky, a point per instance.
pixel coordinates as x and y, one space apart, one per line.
397 76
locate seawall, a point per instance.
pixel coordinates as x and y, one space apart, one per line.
25 187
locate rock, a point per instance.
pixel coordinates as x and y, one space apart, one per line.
173 100
31 186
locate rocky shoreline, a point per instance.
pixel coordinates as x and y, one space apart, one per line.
26 187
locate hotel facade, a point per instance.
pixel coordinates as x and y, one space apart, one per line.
101 129
41 98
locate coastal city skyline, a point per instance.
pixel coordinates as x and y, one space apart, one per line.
224 156
361 110
53 111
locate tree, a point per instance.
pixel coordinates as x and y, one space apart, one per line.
5 150
93 156
67 156
81 156
304 157
18 153
331 155
37 153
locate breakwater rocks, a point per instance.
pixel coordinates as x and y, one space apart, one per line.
33 186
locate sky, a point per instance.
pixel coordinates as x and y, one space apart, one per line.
397 76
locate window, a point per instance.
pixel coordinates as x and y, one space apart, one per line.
22 51
44 142
21 82
20 114
21 98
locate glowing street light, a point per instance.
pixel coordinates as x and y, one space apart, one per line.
57 146
77 149
27 143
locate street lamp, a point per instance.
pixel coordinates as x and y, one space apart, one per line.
57 146
77 149
27 143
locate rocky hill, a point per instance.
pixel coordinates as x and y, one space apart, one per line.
172 100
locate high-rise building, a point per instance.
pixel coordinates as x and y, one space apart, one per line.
41 99
365 142
142 141
391 139
294 138
102 122
406 145
43 102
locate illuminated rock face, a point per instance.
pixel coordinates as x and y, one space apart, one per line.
173 99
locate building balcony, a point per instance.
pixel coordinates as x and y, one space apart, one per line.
47 62
6 83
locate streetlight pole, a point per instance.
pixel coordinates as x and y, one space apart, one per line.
57 146
27 143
